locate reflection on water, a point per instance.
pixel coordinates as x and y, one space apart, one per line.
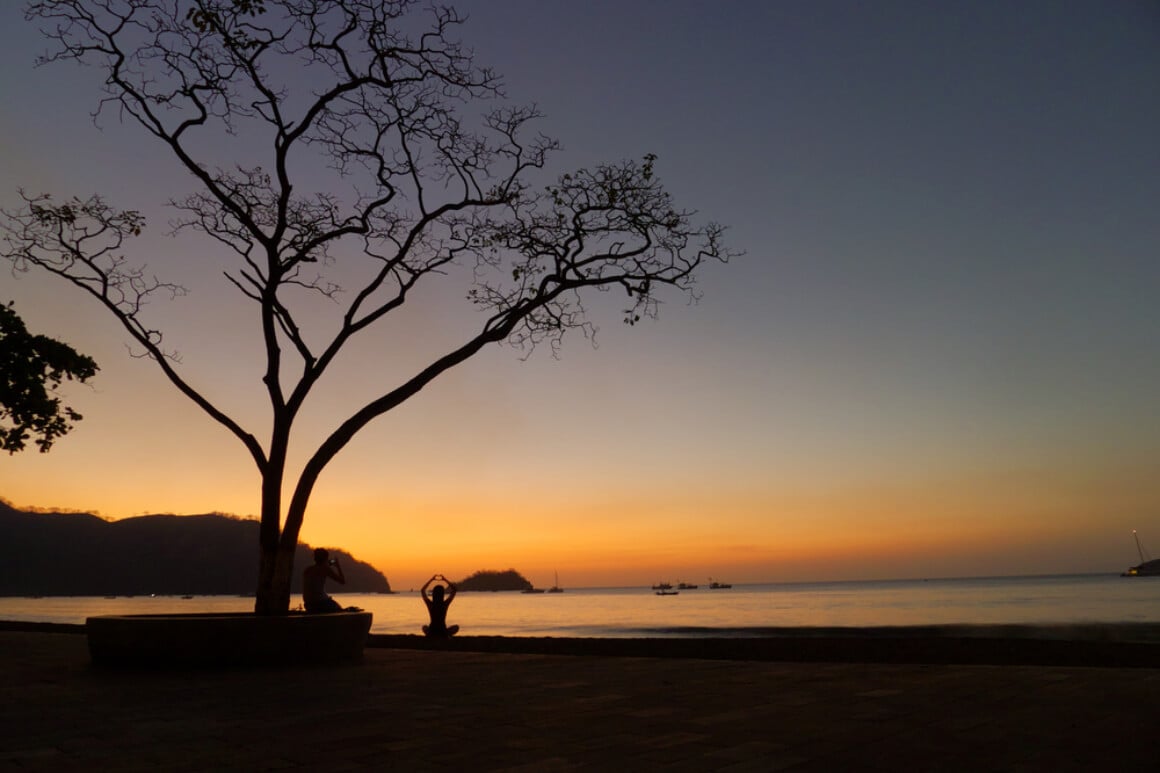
622 612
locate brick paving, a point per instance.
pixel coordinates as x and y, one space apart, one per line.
416 710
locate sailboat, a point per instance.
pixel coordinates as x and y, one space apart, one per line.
1147 567
556 587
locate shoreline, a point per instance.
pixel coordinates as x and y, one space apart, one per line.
1126 645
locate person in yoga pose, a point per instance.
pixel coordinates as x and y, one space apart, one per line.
437 603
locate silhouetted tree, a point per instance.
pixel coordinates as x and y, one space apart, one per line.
424 179
31 369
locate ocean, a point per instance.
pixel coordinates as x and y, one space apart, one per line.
743 610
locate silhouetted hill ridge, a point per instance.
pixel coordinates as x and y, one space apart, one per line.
80 554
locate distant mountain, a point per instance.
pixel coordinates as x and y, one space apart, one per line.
77 554
491 580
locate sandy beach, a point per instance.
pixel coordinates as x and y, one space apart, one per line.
508 704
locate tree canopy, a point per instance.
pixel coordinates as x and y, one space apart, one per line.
388 154
32 368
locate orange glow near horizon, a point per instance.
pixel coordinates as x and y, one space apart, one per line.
941 528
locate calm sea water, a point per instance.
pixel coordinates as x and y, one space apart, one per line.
739 611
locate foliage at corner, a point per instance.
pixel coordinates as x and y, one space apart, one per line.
32 367
493 580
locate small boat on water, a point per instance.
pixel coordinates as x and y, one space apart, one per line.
1148 567
686 586
662 586
667 592
714 585
556 588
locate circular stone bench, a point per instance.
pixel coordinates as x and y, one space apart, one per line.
226 639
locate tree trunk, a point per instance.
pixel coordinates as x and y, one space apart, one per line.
273 593
276 568
272 596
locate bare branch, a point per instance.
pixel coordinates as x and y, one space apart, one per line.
81 241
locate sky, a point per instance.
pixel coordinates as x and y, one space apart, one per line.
938 357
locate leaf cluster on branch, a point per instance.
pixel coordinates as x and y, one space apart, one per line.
32 367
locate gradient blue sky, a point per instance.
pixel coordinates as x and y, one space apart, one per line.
939 356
